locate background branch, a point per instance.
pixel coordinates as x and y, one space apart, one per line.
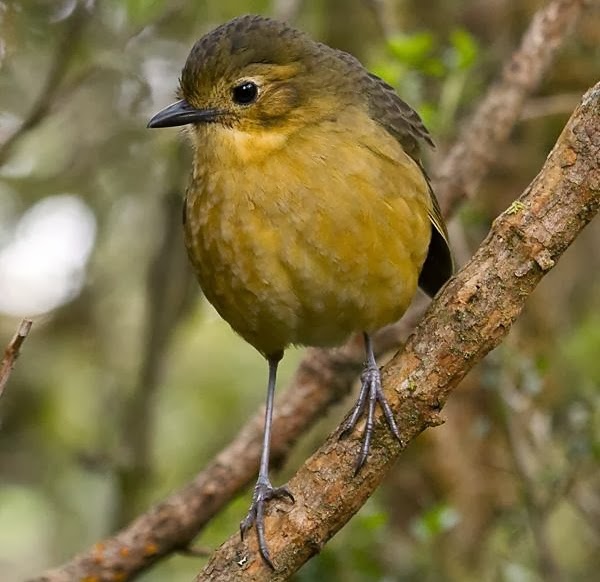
51 88
498 112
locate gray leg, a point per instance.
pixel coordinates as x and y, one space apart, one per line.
370 394
263 490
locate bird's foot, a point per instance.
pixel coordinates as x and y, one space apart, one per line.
263 493
370 393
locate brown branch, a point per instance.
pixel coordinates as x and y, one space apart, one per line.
57 88
470 317
322 379
51 87
11 353
499 111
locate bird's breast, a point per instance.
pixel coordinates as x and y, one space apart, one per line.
306 238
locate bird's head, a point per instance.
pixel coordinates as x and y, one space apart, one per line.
255 73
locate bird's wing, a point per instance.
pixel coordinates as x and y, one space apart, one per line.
403 122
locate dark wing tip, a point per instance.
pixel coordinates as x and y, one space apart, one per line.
438 266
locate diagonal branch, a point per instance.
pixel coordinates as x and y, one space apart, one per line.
323 378
503 104
470 317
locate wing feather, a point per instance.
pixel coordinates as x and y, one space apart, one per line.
403 122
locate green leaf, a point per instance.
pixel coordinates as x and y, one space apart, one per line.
413 49
428 113
389 71
435 521
373 521
434 67
465 48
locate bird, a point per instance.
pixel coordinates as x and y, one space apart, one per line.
309 216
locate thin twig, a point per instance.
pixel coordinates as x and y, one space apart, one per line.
11 353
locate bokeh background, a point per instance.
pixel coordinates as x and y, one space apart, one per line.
130 383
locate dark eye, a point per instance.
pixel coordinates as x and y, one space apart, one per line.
245 93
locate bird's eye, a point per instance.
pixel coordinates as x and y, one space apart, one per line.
245 93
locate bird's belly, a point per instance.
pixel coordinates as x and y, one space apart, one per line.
288 262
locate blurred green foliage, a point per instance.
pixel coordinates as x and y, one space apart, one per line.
435 521
128 341
412 60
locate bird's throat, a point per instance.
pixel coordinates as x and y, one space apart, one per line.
234 146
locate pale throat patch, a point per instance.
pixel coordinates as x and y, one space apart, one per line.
245 146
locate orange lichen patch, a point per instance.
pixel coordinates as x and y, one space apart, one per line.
119 577
124 552
150 549
90 579
569 157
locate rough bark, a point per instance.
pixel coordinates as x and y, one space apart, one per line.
470 317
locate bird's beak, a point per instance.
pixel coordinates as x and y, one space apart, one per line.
182 113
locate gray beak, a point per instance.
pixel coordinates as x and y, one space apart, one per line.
182 113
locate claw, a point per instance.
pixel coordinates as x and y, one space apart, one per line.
370 394
263 493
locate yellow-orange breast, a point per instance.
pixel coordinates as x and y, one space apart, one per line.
306 238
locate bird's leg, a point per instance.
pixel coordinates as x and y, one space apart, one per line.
263 490
370 393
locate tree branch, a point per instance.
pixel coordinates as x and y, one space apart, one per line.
502 106
470 317
11 353
51 88
323 378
